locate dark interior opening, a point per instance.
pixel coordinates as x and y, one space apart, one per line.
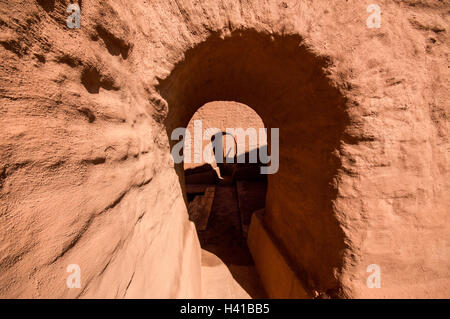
287 85
221 202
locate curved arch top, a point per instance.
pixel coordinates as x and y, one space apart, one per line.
286 85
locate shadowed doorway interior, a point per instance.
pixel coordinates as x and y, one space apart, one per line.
286 84
222 194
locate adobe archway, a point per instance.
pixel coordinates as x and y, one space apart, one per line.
285 84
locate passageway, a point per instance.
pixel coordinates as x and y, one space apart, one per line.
224 238
223 193
284 82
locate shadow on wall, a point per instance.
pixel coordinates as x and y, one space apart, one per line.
206 174
285 84
222 220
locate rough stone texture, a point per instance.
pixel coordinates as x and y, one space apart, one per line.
85 166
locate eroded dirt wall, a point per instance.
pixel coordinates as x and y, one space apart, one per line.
86 173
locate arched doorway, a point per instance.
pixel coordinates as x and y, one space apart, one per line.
285 84
224 188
